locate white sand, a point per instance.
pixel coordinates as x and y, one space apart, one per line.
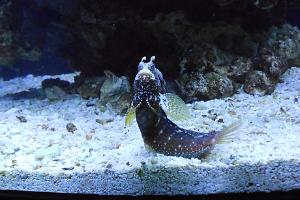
42 146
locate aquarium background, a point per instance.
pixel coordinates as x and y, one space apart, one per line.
45 37
66 88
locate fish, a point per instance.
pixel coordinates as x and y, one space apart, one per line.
160 134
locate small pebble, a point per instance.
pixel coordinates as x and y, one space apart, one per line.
90 103
45 126
220 119
37 167
283 110
68 168
154 161
14 162
108 166
88 136
104 121
213 117
22 119
297 99
232 113
71 127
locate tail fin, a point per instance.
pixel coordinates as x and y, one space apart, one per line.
228 133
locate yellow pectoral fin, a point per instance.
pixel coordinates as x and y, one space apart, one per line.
130 116
177 108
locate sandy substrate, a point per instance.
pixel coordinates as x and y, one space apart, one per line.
109 158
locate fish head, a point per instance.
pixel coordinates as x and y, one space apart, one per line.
148 83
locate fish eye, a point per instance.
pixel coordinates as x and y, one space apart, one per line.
152 68
140 67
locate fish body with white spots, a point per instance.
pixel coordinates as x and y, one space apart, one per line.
159 133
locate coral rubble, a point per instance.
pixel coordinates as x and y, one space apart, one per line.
115 93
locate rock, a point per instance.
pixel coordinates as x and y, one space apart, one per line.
258 82
239 68
284 41
71 127
297 99
236 71
218 86
88 86
202 57
219 119
56 89
267 61
294 62
50 82
90 103
173 34
115 93
231 38
99 31
13 44
88 136
192 85
104 121
208 72
68 168
55 93
196 86
21 119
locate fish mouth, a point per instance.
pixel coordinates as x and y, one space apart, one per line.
145 75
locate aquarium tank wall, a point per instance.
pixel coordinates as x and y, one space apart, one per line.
150 97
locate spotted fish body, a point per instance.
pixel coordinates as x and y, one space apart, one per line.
159 133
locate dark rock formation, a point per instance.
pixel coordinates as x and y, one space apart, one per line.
56 89
208 46
270 63
88 86
285 42
197 85
65 85
258 82
202 57
115 93
12 45
237 70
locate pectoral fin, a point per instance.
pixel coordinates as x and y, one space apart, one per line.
174 107
130 116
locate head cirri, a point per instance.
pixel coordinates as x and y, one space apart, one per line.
148 82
